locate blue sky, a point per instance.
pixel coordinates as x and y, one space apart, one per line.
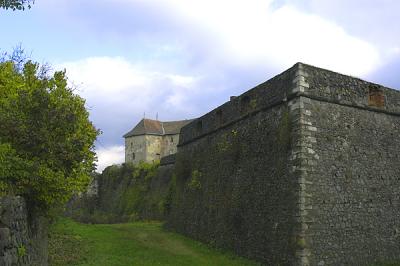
181 59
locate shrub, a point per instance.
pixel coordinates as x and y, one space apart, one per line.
194 182
46 138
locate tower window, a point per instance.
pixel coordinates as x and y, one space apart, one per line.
244 104
219 117
376 97
199 127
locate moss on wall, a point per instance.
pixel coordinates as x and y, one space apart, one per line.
233 188
23 234
126 193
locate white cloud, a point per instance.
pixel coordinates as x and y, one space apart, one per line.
115 79
252 31
109 156
376 21
396 50
243 32
114 82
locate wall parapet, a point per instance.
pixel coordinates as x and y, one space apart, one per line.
264 96
301 80
347 90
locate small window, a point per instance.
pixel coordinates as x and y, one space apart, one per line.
219 117
172 139
133 156
376 97
199 127
244 104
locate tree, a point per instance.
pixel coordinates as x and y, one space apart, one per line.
46 137
16 4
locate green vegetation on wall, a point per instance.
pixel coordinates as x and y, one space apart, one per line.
194 183
21 251
233 188
127 193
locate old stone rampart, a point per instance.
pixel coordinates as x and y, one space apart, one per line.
126 193
23 237
234 185
301 170
350 177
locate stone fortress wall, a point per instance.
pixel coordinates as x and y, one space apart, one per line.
352 190
301 170
23 237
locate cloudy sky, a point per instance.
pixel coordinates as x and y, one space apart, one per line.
182 58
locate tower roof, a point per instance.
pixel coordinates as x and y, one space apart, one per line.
155 127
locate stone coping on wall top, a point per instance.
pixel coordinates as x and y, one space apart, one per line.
299 80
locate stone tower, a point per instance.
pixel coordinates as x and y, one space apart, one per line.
150 140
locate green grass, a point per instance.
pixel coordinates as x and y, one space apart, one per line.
141 243
387 264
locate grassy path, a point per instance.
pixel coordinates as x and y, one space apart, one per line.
73 243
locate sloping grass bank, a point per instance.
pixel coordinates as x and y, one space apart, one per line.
138 243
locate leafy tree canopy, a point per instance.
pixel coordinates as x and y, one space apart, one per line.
16 4
46 138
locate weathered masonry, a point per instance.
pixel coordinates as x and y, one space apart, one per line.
303 169
23 235
150 140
